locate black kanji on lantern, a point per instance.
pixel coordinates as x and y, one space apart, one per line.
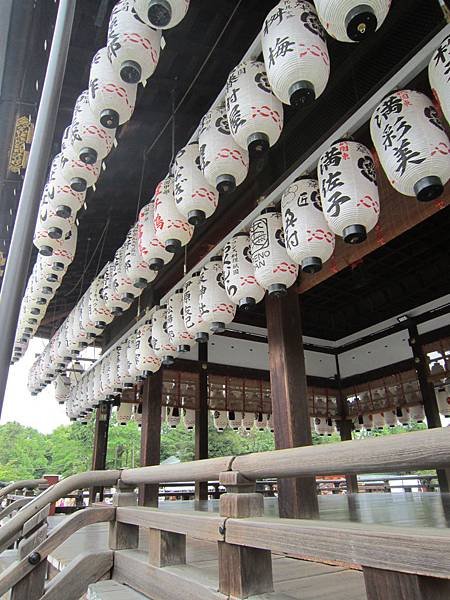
289 227
282 47
367 168
332 182
262 82
431 114
335 202
404 155
392 104
331 157
235 118
277 17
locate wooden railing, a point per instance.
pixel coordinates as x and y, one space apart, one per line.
397 563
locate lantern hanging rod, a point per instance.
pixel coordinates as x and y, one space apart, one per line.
354 122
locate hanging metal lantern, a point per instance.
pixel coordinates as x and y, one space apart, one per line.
63 251
239 272
309 240
223 162
171 228
349 191
162 14
195 325
295 52
216 309
352 20
161 344
146 359
439 76
176 328
136 268
255 114
194 197
413 148
150 248
133 47
274 269
64 200
110 98
90 141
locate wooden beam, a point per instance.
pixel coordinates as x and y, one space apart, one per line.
151 434
100 446
297 497
388 585
201 419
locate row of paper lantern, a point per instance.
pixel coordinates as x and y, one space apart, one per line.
130 56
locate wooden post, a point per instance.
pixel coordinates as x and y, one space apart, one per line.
391 585
31 587
201 419
166 548
151 434
123 536
345 426
297 498
243 571
428 395
100 446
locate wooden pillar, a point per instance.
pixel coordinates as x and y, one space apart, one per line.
428 395
151 434
297 498
201 419
345 427
100 446
391 585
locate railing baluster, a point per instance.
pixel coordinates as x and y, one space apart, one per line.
123 536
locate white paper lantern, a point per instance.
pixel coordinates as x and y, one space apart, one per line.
255 114
50 228
161 344
193 320
61 197
295 52
173 416
439 75
417 413
349 191
171 228
114 301
274 269
136 268
216 308
63 251
223 162
194 197
352 20
87 323
162 14
248 421
126 379
146 359
443 399
78 174
411 143
90 141
178 334
106 381
123 284
309 240
261 421
390 417
378 421
220 418
239 272
115 374
133 47
403 415
150 248
189 418
111 99
124 412
99 313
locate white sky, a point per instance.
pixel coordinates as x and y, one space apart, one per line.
41 412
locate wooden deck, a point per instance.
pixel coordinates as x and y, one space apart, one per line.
297 579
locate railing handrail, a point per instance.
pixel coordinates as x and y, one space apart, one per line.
18 485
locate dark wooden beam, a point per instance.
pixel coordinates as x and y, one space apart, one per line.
151 434
297 497
100 446
201 419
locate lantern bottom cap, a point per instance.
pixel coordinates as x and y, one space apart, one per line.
78 184
217 327
428 188
128 298
63 211
156 264
301 93
100 324
361 22
41 301
58 266
46 250
225 184
277 289
196 217
130 72
140 283
52 277
109 118
88 155
354 234
32 321
168 361
312 264
35 311
202 337
55 233
117 311
247 303
159 13
183 348
258 144
128 385
83 344
172 245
